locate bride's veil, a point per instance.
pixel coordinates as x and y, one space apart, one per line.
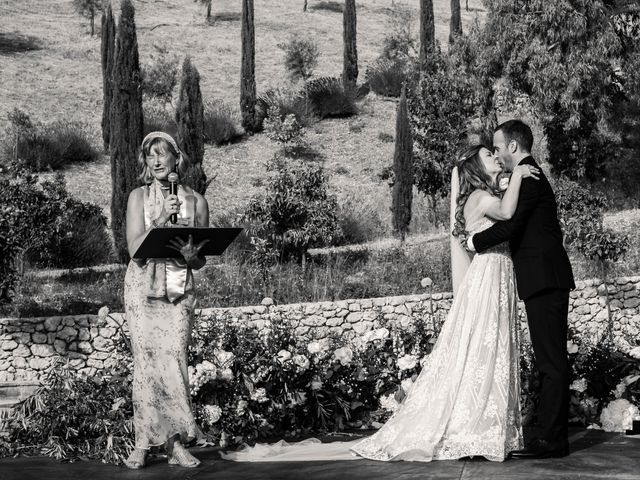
460 258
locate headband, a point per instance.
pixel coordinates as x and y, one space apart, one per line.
164 136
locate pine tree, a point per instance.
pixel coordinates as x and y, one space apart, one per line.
350 65
190 121
248 69
455 27
126 123
403 170
427 30
107 47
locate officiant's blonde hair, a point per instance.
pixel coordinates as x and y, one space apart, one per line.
164 145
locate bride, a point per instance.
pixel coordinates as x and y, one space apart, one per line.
466 400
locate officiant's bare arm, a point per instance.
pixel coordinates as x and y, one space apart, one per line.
136 232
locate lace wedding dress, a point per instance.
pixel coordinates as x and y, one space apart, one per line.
466 400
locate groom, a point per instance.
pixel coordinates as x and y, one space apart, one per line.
544 279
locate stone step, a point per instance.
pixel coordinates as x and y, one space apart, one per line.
17 390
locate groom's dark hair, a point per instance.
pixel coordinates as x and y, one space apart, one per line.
519 131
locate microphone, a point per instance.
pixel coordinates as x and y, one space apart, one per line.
173 190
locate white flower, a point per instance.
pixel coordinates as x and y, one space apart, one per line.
571 347
212 413
407 385
241 407
579 385
407 362
503 183
314 347
260 395
225 375
316 384
377 334
426 282
620 389
103 312
284 356
635 352
301 361
223 358
617 416
344 355
388 402
207 366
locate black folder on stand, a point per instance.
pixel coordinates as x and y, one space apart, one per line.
155 244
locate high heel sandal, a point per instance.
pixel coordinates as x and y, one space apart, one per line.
181 456
137 459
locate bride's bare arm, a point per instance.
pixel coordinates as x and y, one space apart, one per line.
504 209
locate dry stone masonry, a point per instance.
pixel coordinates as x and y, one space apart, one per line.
28 346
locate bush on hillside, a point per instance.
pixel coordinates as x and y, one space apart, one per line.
386 77
158 118
39 147
328 98
159 77
221 123
301 58
329 5
286 102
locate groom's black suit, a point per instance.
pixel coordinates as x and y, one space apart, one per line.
544 279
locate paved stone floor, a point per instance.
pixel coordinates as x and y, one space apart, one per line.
595 455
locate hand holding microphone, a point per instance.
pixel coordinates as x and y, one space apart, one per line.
173 190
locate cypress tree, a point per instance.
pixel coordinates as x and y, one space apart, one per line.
107 47
126 123
455 27
248 68
350 61
427 30
402 195
190 121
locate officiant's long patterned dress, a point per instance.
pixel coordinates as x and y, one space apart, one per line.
466 400
160 331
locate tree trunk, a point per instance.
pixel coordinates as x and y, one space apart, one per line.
209 10
107 49
455 27
93 15
427 30
247 73
350 60
304 8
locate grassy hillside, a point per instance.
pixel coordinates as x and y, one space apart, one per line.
63 80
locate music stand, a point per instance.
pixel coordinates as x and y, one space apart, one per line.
155 244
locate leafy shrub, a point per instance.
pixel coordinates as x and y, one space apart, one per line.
27 219
47 146
226 17
301 58
220 122
581 216
81 238
359 221
386 77
328 98
330 5
158 118
400 43
74 416
160 76
286 102
296 212
287 132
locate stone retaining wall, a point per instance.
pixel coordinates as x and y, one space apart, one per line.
29 345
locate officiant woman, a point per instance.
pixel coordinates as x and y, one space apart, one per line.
159 301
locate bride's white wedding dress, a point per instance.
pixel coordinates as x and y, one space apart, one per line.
466 400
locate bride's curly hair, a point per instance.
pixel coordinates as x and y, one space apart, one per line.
472 176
